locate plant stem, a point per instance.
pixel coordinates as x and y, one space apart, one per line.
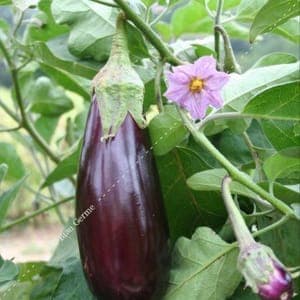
254 155
239 226
10 129
230 63
105 3
157 87
24 120
217 22
34 214
280 222
231 169
151 35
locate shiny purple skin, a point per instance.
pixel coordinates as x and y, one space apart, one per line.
279 287
124 241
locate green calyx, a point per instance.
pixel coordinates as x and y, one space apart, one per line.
257 265
118 87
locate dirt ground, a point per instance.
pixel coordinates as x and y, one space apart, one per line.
30 243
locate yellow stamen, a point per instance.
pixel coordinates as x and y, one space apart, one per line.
196 85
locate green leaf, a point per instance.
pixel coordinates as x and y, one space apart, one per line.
289 30
86 39
195 12
55 54
48 282
72 284
73 83
241 88
18 290
167 126
196 208
46 126
275 58
233 146
211 180
8 271
65 168
281 192
282 166
5 2
280 102
7 197
29 271
203 267
42 26
10 157
49 100
248 9
272 14
3 171
281 133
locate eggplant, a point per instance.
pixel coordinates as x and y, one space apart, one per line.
122 229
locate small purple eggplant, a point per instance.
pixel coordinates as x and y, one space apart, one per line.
264 273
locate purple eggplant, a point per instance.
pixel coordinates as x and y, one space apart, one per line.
122 231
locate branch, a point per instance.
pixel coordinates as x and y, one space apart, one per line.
231 169
24 120
151 35
217 22
34 214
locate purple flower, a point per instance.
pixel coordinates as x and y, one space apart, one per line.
264 273
196 86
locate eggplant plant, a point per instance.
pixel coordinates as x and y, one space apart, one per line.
161 138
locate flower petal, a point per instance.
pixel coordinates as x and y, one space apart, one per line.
205 67
214 98
197 106
176 93
178 77
216 81
187 69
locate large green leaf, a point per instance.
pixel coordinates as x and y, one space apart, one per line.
7 197
167 126
241 88
211 180
49 100
281 134
275 58
196 208
284 165
46 126
8 271
203 267
76 84
55 54
43 26
10 157
248 9
3 171
92 26
272 14
280 102
72 284
65 168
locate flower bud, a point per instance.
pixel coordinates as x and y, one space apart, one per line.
264 273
